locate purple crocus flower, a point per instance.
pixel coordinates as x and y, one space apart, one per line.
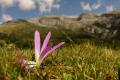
41 51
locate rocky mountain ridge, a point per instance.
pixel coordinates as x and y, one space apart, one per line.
105 26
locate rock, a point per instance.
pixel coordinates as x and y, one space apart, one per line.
106 25
88 17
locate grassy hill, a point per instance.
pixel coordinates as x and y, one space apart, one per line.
78 59
22 32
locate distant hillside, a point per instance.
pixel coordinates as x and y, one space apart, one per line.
57 21
21 33
104 26
86 25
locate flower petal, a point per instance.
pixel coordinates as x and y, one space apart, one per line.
45 51
45 43
52 49
37 45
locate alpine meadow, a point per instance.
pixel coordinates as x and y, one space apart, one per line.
59 45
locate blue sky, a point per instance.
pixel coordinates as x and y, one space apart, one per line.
22 9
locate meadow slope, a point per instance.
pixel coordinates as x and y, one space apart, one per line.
74 62
78 59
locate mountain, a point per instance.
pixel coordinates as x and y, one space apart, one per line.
57 21
104 26
21 33
86 25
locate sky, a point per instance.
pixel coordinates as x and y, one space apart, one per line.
24 9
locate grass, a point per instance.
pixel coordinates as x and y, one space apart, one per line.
22 33
85 61
76 60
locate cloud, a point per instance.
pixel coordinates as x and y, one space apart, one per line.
47 5
57 6
23 4
6 17
86 6
26 5
96 6
4 4
7 3
109 8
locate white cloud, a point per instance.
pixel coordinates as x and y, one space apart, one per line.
109 8
89 7
6 3
26 5
86 6
23 4
47 5
6 17
96 6
57 6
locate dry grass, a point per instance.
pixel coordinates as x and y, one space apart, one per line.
75 62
